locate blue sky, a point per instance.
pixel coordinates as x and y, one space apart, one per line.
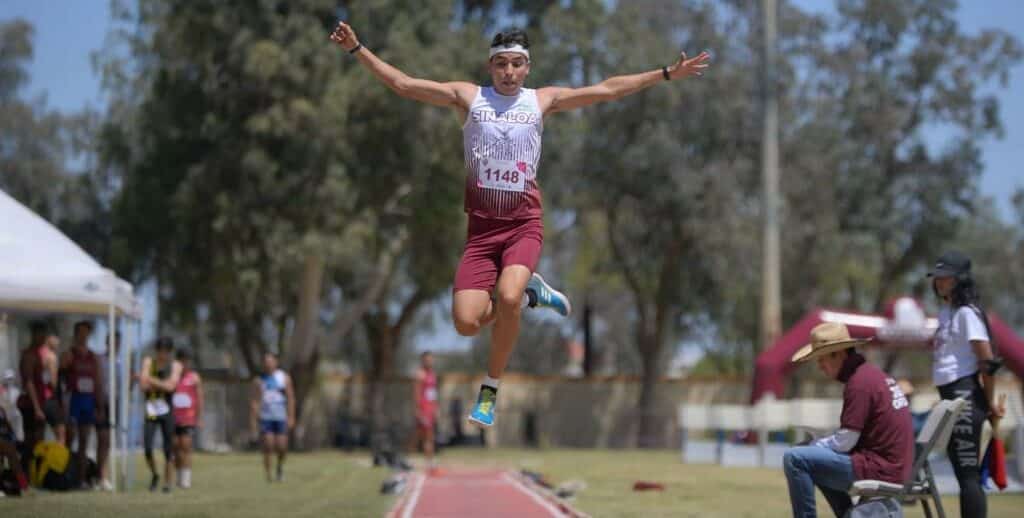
67 32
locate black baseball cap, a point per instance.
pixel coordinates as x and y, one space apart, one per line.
951 264
165 343
38 327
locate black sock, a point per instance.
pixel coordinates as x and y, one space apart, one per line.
532 296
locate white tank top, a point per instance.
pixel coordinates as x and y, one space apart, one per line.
274 406
501 141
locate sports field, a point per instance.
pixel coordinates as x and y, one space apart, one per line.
329 483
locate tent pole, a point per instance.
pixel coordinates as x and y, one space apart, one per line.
125 387
112 461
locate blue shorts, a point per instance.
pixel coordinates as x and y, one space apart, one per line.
273 427
82 409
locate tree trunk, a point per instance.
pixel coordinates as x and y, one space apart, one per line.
647 434
385 338
303 351
382 353
245 346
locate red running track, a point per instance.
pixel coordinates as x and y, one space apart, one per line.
494 494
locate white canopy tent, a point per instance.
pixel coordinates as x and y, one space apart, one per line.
41 270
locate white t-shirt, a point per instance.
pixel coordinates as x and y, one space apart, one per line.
953 355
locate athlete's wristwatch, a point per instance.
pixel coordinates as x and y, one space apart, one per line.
356 48
664 73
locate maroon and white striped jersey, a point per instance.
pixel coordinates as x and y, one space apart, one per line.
501 142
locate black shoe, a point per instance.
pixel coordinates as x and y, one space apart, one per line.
154 482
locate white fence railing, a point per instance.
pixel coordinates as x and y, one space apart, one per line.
727 422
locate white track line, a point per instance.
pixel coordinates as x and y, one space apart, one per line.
403 498
414 497
536 498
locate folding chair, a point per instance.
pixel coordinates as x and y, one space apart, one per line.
921 484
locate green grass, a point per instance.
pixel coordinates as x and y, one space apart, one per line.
691 490
329 483
317 484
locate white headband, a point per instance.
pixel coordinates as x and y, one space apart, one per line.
517 48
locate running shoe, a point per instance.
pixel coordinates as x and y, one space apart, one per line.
483 411
543 295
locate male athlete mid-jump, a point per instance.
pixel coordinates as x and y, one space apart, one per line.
502 127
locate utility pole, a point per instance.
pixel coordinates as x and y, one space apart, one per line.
771 306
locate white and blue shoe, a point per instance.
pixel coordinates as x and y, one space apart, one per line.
483 411
543 295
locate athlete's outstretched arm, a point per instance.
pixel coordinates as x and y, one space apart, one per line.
556 99
456 94
144 379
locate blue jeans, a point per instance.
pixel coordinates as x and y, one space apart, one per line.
809 466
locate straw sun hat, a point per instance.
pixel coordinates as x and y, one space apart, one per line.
827 338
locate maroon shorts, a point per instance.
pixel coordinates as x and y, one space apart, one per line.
493 244
426 418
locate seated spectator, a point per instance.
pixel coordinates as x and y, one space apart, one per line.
9 394
875 438
9 458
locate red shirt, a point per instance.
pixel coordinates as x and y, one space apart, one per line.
83 373
186 396
874 405
427 397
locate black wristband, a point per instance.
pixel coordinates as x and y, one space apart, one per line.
356 48
992 366
664 73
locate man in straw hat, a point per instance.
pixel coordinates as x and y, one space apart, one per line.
875 439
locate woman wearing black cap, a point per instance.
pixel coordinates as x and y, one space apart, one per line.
964 365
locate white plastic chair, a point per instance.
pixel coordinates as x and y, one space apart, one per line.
921 483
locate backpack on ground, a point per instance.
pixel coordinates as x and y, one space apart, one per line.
49 466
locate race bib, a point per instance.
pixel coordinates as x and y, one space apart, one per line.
157 408
430 394
84 385
503 175
181 400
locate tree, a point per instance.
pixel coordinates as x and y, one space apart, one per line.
33 145
232 150
887 74
671 173
263 171
414 150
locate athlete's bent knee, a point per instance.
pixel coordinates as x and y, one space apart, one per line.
509 302
466 328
